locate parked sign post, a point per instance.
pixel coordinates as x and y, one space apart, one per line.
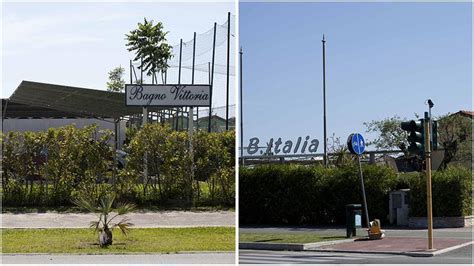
356 145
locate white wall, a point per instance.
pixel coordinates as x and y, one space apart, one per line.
43 124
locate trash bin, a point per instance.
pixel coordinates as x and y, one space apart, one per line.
353 219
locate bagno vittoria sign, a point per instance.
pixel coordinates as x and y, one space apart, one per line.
279 147
167 95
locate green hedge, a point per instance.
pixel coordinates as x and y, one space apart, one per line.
79 163
291 194
69 160
451 193
314 195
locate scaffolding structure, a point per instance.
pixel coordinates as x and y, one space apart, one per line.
196 61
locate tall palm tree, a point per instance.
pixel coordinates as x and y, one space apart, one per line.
107 214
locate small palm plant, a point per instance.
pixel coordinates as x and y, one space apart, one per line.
107 214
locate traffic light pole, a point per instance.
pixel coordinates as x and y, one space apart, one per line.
428 179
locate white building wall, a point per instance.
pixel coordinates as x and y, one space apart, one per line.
35 125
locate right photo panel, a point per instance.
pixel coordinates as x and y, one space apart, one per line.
355 140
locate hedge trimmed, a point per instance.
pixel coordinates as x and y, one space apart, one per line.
314 195
451 190
291 194
50 168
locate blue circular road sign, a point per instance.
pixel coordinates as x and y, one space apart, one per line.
356 143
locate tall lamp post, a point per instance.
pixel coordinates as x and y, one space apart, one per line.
324 103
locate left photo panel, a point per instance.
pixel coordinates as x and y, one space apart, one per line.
118 132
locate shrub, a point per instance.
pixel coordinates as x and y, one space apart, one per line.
291 194
214 160
65 161
76 163
451 193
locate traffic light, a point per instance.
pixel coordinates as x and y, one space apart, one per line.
416 139
434 133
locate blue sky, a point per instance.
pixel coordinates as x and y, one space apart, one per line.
383 59
77 44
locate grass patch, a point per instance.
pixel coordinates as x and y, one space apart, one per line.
153 240
288 238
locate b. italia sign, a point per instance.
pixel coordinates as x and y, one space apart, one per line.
167 95
276 147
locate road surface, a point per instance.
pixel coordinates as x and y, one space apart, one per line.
187 258
462 255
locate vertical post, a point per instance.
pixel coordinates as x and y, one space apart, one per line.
194 58
212 77
131 74
141 71
191 123
114 177
144 122
180 57
363 193
241 111
191 153
324 103
228 62
179 80
145 157
428 179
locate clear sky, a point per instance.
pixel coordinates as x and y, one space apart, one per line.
382 59
77 44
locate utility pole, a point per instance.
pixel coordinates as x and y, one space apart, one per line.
227 80
241 111
324 103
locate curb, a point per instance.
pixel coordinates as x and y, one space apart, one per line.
406 253
316 247
290 247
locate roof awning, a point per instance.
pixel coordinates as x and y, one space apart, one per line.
16 110
80 101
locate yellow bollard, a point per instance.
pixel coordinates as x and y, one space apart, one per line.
375 230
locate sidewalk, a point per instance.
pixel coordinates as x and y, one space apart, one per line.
398 245
411 242
140 220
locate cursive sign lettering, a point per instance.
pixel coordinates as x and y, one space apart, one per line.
167 95
274 147
136 92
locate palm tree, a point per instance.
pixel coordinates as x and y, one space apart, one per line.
107 214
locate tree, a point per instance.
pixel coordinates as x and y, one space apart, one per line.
455 137
116 83
340 151
104 225
390 134
150 44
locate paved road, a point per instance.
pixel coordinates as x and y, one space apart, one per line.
462 255
201 258
148 219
